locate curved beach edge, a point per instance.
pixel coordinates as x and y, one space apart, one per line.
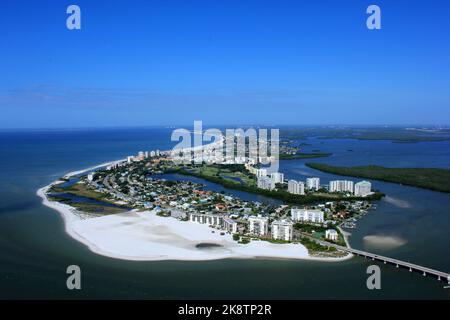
144 236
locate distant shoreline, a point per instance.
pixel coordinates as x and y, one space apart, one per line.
426 178
304 156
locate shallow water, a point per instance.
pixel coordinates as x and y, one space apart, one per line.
35 251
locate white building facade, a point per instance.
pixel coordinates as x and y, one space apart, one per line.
215 220
277 177
341 186
296 187
258 225
282 230
261 173
313 183
229 225
307 215
210 219
331 234
266 183
363 189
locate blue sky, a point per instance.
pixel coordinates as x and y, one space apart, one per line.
137 63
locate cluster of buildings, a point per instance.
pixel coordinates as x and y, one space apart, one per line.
143 155
128 181
279 229
268 181
260 226
257 226
298 187
219 221
359 189
307 215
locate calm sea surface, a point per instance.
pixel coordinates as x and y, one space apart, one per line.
35 250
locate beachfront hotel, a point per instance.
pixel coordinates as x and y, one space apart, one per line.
210 219
215 220
229 225
282 230
313 183
307 215
296 187
258 225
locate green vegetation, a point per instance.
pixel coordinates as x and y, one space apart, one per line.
394 134
163 213
313 246
244 240
427 178
303 156
90 207
319 231
80 189
280 241
309 228
232 173
276 194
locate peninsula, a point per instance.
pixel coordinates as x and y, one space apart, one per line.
135 209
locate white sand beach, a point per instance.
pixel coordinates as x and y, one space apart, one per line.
144 236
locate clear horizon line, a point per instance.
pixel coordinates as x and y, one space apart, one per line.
168 126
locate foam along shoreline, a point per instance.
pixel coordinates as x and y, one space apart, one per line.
74 173
144 236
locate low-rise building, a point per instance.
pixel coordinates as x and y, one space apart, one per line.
331 234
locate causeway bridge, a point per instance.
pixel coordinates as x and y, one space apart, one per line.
441 276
